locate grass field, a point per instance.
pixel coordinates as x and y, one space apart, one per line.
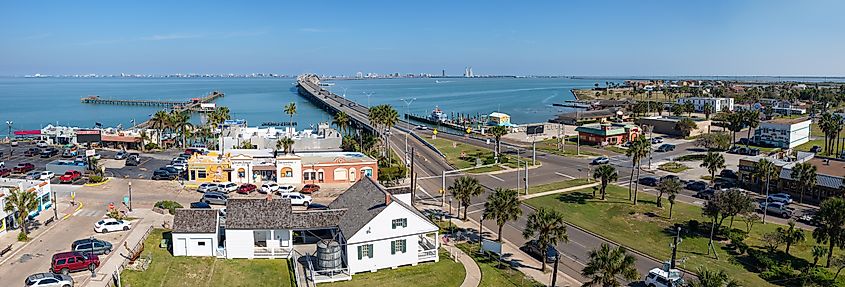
168 270
558 185
808 145
495 274
673 166
461 155
445 273
646 228
569 149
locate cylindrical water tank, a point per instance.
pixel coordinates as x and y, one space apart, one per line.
328 255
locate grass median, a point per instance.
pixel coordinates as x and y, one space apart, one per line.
495 274
647 228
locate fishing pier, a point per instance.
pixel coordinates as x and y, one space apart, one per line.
194 104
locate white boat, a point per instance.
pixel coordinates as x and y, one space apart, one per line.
326 84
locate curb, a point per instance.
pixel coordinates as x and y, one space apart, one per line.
99 183
74 211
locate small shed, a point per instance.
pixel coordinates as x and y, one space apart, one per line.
195 232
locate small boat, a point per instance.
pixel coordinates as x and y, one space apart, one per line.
437 115
326 84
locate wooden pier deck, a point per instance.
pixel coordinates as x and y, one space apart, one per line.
192 104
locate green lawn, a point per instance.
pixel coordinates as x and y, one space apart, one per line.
673 166
485 169
808 145
616 149
461 155
167 270
445 273
558 185
495 274
645 227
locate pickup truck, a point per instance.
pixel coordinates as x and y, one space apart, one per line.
70 176
23 168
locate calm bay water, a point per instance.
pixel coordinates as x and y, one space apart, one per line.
34 102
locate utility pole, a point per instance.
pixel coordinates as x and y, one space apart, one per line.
9 136
766 204
554 272
413 178
443 189
675 248
533 150
55 206
526 177
408 121
130 196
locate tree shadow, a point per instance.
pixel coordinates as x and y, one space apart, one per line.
575 197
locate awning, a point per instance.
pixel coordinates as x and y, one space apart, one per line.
264 167
28 133
125 139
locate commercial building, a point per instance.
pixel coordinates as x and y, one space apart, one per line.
668 125
499 119
830 175
717 104
43 193
783 132
607 133
257 166
322 139
365 229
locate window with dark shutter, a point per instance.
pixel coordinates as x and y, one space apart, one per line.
360 252
393 247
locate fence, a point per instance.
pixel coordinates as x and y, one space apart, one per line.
116 275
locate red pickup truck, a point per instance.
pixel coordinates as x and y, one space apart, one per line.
23 168
70 176
5 172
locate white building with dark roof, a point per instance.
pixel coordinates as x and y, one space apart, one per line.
196 232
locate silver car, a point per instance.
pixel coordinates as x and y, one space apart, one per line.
48 279
215 198
208 187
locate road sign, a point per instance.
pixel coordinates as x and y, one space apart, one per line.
90 152
469 130
434 131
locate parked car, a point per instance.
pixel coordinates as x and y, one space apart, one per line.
815 149
727 173
658 277
707 194
111 225
775 208
722 182
34 151
33 175
180 166
753 151
48 279
310 188
70 176
297 198
41 144
600 160
66 262
228 187
214 198
246 188
666 147
49 152
533 248
286 188
780 197
47 175
269 187
171 169
163 175
69 153
656 140
133 159
627 144
91 246
14 143
200 205
120 155
208 187
649 180
670 177
696 185
5 172
23 167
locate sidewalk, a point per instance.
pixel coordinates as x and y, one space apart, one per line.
473 273
146 219
36 228
539 194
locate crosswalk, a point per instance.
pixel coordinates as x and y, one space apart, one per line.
90 213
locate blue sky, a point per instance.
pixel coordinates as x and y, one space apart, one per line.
602 38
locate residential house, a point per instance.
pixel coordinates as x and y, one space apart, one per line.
717 104
196 232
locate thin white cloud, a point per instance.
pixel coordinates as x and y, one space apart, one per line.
170 37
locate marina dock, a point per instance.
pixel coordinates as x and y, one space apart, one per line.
193 104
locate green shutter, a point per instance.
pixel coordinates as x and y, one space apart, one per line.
371 250
393 223
405 222
393 247
360 253
404 245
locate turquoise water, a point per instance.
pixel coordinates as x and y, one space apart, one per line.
34 102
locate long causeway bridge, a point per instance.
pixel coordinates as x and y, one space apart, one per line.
192 104
309 87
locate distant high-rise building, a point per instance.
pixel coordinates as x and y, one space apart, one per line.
468 72
359 75
443 73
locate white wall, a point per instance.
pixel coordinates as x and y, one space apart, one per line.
379 233
239 244
296 165
188 244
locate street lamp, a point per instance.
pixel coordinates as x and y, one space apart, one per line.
408 121
130 196
368 97
9 136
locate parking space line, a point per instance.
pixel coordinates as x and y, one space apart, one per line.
495 177
565 175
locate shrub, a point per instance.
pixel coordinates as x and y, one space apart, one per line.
693 226
116 214
150 146
820 277
96 179
691 157
760 261
22 236
779 272
489 160
170 205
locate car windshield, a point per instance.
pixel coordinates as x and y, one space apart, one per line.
101 222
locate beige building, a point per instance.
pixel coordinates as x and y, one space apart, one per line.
666 125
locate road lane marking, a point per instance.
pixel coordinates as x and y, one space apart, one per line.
565 175
74 212
496 177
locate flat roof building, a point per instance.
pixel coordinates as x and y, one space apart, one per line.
783 132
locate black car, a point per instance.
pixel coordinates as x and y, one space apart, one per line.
200 204
33 151
49 152
171 170
696 185
666 147
815 149
705 194
163 175
649 180
533 249
727 173
91 245
721 183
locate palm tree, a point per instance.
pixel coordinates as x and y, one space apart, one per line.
341 121
707 278
805 175
285 144
638 149
290 110
751 118
826 125
791 235
23 203
497 132
502 206
608 263
735 124
159 121
464 189
765 170
549 227
708 109
817 252
830 226
713 162
180 122
606 173
671 187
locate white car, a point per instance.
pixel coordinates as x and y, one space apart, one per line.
180 166
297 198
269 187
47 175
286 188
111 224
48 279
41 144
208 187
660 278
227 186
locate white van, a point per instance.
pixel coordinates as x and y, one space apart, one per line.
660 278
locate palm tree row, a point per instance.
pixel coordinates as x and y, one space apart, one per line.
177 122
736 121
832 126
383 117
639 149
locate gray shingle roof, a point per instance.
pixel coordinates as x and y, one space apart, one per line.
363 201
243 213
195 221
